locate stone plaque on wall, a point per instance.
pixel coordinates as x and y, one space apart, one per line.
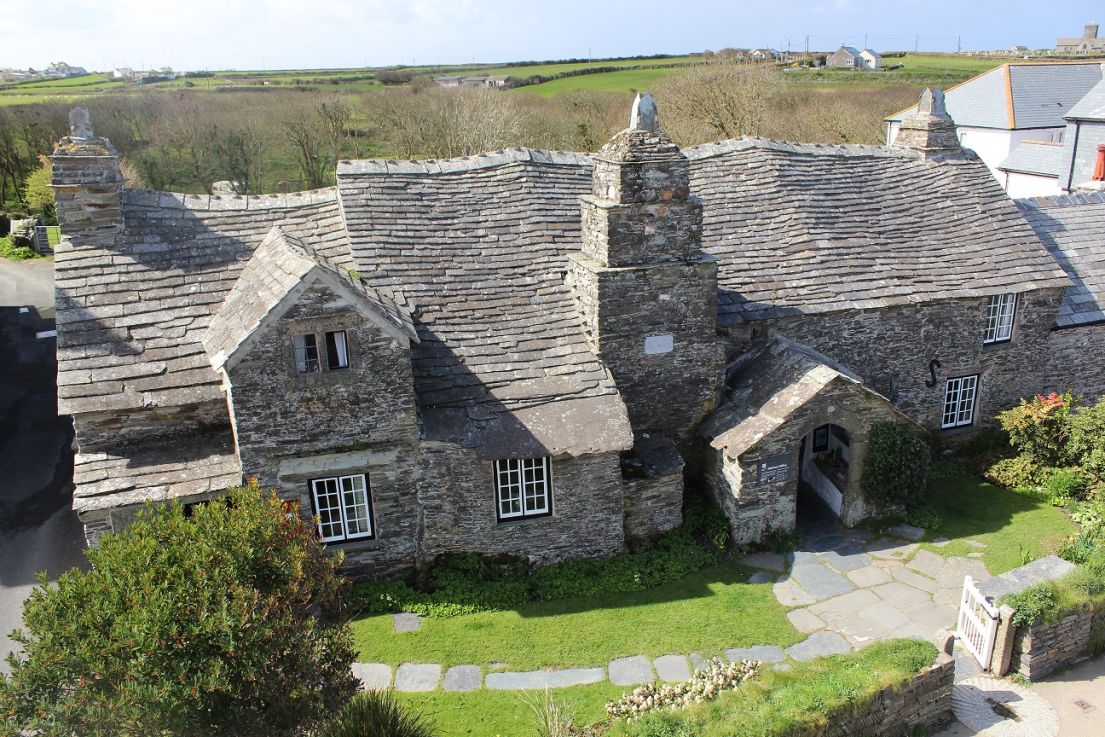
774 469
655 344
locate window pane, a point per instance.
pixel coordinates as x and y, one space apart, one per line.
306 354
337 355
327 504
951 403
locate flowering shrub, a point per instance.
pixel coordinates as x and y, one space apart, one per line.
1040 428
704 685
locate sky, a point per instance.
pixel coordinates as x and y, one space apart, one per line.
301 34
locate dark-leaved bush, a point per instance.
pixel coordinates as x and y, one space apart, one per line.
896 468
225 622
378 714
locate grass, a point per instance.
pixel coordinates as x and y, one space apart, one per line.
807 700
629 80
706 612
486 713
1015 528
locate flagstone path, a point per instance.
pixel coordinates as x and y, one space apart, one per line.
844 590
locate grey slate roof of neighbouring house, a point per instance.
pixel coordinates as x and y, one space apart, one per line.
1072 228
1018 96
1035 157
803 229
1092 106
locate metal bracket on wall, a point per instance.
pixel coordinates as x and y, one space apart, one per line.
933 365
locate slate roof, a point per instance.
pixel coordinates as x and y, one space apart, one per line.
1092 106
1072 228
770 385
479 246
1035 157
280 270
803 229
1018 96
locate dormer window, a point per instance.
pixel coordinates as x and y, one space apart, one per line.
999 318
337 351
306 354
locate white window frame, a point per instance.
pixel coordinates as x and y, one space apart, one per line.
303 363
341 349
523 488
960 398
337 507
1000 315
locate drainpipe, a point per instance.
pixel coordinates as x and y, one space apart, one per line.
1073 155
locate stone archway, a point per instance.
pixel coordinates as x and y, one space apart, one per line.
831 451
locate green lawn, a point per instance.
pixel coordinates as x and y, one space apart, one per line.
705 612
1013 526
627 81
486 713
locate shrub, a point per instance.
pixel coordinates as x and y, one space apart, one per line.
924 515
1016 472
704 685
13 252
1065 484
1031 604
226 622
897 465
378 714
552 718
1087 438
1041 427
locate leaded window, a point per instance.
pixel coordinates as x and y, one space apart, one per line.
343 507
959 402
999 318
523 487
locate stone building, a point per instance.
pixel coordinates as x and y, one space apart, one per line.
528 351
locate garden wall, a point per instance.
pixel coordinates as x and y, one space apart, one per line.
926 699
1044 646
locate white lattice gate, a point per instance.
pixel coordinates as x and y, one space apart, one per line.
978 623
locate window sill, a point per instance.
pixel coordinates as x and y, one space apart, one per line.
523 521
951 432
998 345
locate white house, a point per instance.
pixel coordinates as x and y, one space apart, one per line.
849 57
871 59
997 111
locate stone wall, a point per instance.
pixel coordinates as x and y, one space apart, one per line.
457 495
292 427
1044 646
891 350
1074 361
653 475
926 700
96 430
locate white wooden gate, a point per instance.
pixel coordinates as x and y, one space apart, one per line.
978 623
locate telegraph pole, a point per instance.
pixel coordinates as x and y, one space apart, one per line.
807 44
916 42
959 44
865 40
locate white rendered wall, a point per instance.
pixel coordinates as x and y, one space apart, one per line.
1019 185
992 145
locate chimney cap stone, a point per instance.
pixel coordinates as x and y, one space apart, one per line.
642 116
80 124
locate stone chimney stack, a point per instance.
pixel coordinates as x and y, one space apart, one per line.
1090 31
931 130
87 183
645 290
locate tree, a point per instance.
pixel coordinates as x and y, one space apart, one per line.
317 135
37 192
721 99
222 621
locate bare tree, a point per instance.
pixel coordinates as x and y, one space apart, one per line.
721 100
438 123
317 134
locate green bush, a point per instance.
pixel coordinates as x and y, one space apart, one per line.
925 516
897 464
225 622
1031 604
1041 427
1087 438
378 714
15 253
1064 484
1016 472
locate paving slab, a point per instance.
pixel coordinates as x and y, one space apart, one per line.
761 577
789 593
901 595
934 617
462 678
805 621
846 562
768 561
908 532
927 562
511 681
846 604
821 582
406 622
940 542
803 558
417 677
916 580
886 548
819 644
697 661
826 543
631 670
672 668
1000 708
762 653
868 576
975 543
373 676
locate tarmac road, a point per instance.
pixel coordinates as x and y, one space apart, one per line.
38 529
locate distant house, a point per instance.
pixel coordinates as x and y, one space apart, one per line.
122 73
61 70
497 82
448 81
1087 43
997 111
849 57
1019 49
764 54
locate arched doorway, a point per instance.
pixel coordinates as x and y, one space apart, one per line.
825 469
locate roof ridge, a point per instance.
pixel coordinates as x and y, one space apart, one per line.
1071 199
213 202
484 160
729 145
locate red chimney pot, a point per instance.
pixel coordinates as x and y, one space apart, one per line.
1099 167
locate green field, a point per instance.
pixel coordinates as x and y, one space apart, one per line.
629 80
